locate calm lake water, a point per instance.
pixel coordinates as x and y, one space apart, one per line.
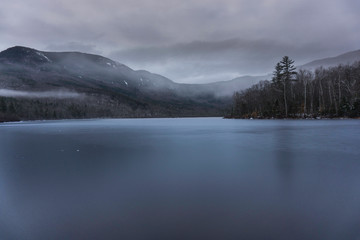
199 178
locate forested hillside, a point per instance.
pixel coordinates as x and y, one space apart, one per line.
325 92
51 85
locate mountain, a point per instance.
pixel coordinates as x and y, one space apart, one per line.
36 84
227 87
346 58
43 85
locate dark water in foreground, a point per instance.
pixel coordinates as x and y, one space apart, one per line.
204 178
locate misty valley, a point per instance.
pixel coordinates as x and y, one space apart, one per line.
37 85
49 85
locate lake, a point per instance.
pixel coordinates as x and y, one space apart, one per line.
190 178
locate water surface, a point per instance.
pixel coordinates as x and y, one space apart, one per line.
197 178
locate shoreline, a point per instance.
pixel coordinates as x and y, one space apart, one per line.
134 118
105 118
299 118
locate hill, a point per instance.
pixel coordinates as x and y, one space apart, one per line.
343 59
38 85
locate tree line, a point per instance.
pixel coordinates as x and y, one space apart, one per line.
325 92
94 106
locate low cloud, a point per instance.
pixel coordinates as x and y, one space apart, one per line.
209 61
74 46
45 94
199 37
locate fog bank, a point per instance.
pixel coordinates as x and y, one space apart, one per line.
44 94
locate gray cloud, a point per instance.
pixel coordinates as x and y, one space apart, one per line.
203 61
74 46
186 40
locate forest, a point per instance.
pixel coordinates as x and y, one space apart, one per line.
332 92
97 106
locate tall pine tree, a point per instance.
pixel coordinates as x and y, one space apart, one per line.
283 75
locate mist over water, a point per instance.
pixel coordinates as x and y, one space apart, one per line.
43 94
200 178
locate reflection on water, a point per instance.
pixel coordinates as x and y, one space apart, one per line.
284 154
205 178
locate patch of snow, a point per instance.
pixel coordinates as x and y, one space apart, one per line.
126 83
111 65
43 55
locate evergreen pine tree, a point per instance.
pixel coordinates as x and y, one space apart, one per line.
283 76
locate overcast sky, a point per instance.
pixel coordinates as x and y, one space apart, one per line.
186 40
